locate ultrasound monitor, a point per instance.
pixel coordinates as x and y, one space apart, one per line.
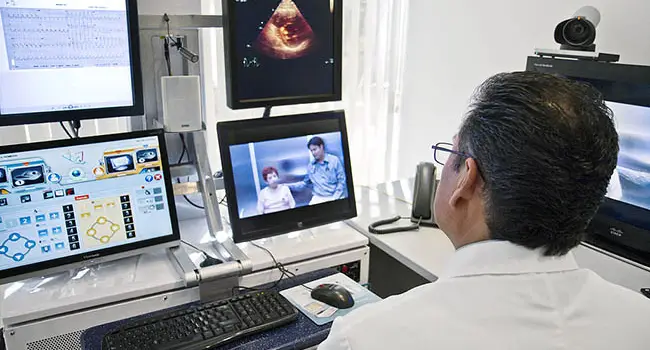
69 60
284 174
281 52
66 202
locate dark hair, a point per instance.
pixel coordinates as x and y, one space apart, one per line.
546 147
269 170
315 141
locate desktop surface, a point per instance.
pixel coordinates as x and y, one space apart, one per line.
87 288
425 251
302 333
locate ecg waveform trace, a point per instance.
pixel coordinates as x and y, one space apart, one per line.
45 38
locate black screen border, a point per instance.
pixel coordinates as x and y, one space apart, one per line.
96 254
256 130
233 99
136 109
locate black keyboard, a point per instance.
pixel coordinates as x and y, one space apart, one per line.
205 326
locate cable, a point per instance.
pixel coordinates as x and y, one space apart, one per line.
166 47
168 61
193 204
180 160
194 247
75 126
184 150
278 265
66 130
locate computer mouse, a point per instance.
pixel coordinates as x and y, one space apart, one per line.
210 261
333 295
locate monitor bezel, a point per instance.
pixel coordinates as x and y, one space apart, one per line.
233 99
136 109
321 214
92 258
618 227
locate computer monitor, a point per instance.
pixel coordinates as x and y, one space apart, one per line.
622 224
69 60
70 203
281 52
284 174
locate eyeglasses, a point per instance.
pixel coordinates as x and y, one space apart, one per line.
442 151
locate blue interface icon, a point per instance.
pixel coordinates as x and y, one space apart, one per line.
12 243
54 178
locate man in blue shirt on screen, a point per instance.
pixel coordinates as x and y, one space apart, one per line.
325 175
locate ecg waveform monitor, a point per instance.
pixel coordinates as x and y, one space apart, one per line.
66 55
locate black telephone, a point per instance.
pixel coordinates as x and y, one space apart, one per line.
424 192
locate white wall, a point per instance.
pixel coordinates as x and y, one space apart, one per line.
172 7
454 45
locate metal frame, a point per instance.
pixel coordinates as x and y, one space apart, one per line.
187 28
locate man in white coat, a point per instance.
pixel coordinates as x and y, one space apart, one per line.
520 183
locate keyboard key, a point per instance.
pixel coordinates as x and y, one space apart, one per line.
205 325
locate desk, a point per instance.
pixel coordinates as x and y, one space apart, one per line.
298 335
53 312
403 260
425 252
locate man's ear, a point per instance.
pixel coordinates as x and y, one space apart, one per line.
468 181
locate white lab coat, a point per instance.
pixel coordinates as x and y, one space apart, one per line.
496 295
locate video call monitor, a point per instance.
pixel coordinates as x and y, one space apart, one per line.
69 60
281 52
66 202
622 224
284 174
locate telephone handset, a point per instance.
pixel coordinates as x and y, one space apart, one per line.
424 192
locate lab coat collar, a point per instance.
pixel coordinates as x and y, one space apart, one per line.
504 258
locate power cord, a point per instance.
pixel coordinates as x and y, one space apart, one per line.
180 160
66 130
208 260
277 265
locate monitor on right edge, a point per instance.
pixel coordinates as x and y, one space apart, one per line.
622 224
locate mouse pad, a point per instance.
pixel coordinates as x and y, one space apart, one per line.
321 313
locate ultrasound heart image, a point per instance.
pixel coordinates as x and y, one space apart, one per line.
284 49
287 35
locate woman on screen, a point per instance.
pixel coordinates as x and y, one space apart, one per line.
275 197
